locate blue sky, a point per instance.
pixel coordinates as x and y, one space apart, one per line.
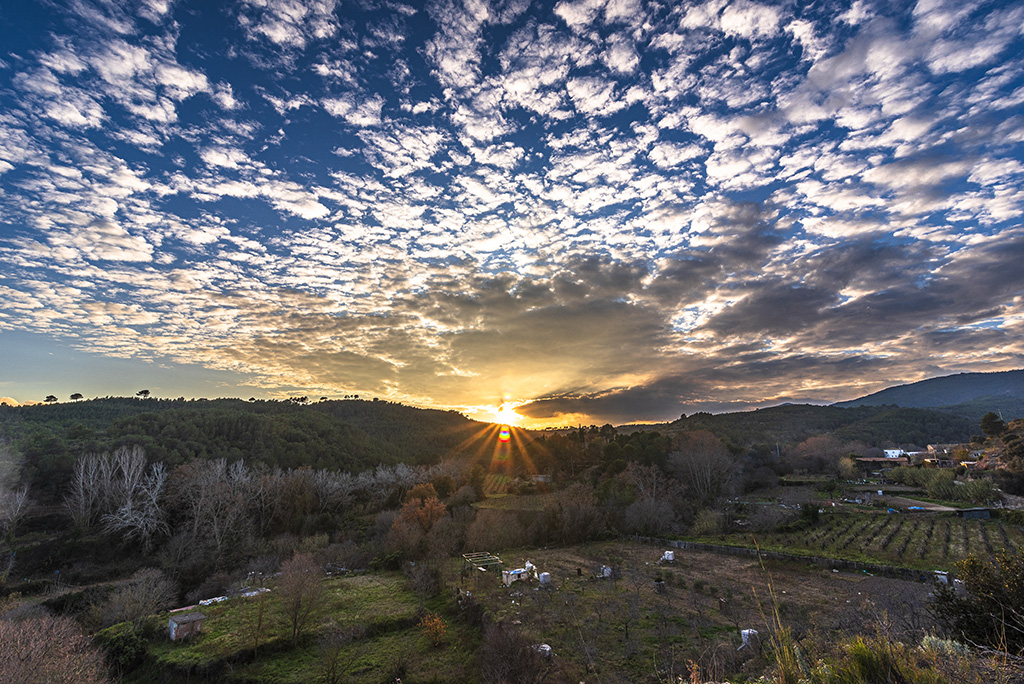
599 211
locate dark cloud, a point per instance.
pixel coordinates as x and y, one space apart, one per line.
773 310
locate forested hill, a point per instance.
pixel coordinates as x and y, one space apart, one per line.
875 426
970 395
349 435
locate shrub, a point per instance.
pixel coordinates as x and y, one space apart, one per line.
506 656
434 628
992 611
124 647
707 522
390 561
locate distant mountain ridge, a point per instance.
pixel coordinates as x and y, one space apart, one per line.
875 426
970 395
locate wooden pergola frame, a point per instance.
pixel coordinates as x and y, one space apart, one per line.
479 562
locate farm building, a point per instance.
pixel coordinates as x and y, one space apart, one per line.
183 626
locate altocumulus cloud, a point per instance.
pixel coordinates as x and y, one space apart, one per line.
605 210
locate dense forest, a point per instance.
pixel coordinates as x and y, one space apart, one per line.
349 435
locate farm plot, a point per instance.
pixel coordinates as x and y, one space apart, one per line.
367 625
625 630
496 484
924 541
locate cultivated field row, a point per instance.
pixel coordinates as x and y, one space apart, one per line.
915 541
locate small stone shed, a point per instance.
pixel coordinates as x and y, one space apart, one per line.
183 626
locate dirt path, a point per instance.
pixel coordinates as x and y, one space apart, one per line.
930 507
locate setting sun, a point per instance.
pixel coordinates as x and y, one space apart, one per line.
506 415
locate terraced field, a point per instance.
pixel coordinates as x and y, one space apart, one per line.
496 484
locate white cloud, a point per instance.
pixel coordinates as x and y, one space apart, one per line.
76 110
180 82
916 173
580 13
106 241
750 20
289 23
621 56
226 157
594 96
667 155
358 112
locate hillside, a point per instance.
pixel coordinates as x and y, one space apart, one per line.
970 395
876 426
346 435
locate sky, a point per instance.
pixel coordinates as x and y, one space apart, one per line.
594 211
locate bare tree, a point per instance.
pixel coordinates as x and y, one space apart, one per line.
48 650
649 482
256 618
701 461
140 518
300 590
125 476
648 517
820 453
147 592
334 490
337 642
507 656
10 465
104 483
84 498
13 506
652 512
6 565
265 492
214 500
385 481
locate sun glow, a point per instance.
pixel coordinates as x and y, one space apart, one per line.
506 415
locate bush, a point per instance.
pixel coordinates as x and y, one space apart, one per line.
506 656
992 611
868 664
423 579
125 648
434 628
390 561
707 522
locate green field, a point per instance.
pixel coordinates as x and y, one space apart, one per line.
378 611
